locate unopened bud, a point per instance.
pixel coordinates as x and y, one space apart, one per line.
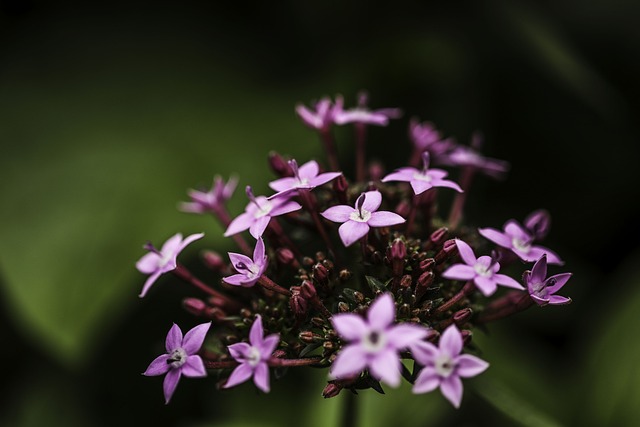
308 261
359 297
466 336
331 390
307 290
427 264
376 171
397 253
460 317
340 186
538 223
285 256
299 306
343 307
406 281
317 321
309 337
194 306
404 311
328 345
279 165
437 238
344 275
215 313
213 260
403 208
424 282
320 274
449 249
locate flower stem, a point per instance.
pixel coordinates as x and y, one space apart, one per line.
330 148
361 134
219 364
270 285
305 361
458 203
183 273
466 290
349 410
224 218
511 303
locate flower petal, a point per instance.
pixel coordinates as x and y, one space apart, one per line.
404 174
560 280
351 361
239 351
487 285
424 352
261 377
497 237
159 366
239 259
385 219
507 281
514 230
470 366
382 312
451 341
172 244
385 366
420 186
323 178
285 208
190 239
195 337
451 388
350 327
174 338
283 184
170 383
352 231
256 334
372 201
240 223
258 251
194 367
459 272
148 263
405 335
446 183
257 228
466 253
309 170
559 300
537 251
240 374
539 270
338 213
269 345
236 280
428 380
149 282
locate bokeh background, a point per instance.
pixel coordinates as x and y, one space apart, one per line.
110 111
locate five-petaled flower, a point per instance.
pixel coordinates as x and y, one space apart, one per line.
258 214
426 137
483 271
373 343
181 358
158 262
323 116
253 357
249 270
542 289
444 366
361 114
422 180
305 177
210 201
357 221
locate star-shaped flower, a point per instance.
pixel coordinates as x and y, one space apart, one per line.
305 177
324 114
258 213
422 180
249 270
444 366
357 221
362 114
212 200
373 343
483 271
543 289
180 359
426 137
156 263
253 357
520 241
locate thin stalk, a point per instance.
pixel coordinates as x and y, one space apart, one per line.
466 290
330 148
270 285
459 201
361 134
183 273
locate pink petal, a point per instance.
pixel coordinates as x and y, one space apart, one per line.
256 334
159 366
466 253
382 312
257 228
459 272
384 219
486 285
309 170
428 380
285 208
283 184
372 201
559 300
338 213
451 341
170 383
437 174
190 239
148 263
404 174
560 279
195 337
515 230
451 388
351 361
236 279
174 338
469 366
323 178
258 252
537 251
269 345
240 223
539 270
424 352
419 186
350 327
404 335
239 351
261 377
194 367
507 281
352 231
149 282
240 374
385 366
239 259
308 118
172 245
496 237
448 184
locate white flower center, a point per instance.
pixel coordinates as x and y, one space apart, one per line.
360 216
444 365
164 260
177 358
483 270
253 358
420 176
252 271
540 290
374 341
521 245
263 210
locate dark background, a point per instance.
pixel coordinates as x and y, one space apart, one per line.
109 111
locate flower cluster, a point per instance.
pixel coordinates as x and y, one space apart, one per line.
359 276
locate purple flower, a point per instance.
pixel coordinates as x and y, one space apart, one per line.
426 137
444 366
538 223
361 114
356 221
212 200
422 180
373 343
156 263
542 289
258 213
520 241
466 156
323 116
483 271
304 177
253 357
249 270
180 359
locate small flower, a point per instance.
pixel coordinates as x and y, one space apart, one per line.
180 359
305 177
253 357
258 213
156 263
422 180
249 270
374 343
538 223
361 114
323 116
444 366
466 156
356 221
542 289
520 241
426 137
483 271
212 200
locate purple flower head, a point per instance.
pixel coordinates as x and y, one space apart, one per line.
374 342
520 241
212 200
322 117
542 289
470 156
158 262
422 180
258 213
538 223
253 357
426 137
305 177
357 221
483 271
444 366
180 359
361 114
249 270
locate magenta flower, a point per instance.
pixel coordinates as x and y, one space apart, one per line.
156 263
538 223
361 114
520 241
373 343
212 200
258 213
180 359
249 270
422 180
541 289
426 137
483 271
253 357
466 156
305 177
323 116
444 366
357 221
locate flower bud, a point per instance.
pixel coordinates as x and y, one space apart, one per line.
309 337
285 256
194 306
466 336
406 281
279 165
460 317
403 209
427 264
331 390
449 249
436 238
397 253
538 223
340 186
344 275
213 260
307 290
343 307
424 282
320 275
299 306
376 171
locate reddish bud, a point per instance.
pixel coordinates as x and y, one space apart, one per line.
427 264
331 390
461 317
424 282
307 290
194 306
285 256
279 165
403 209
213 260
376 171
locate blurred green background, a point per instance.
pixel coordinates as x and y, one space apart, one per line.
110 111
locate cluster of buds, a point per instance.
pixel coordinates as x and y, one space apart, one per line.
358 276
